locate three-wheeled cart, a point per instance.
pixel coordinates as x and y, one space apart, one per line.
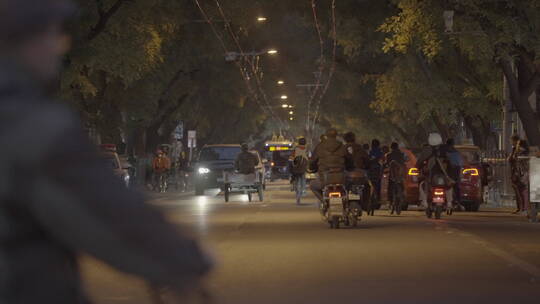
247 184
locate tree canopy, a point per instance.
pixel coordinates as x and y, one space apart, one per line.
388 69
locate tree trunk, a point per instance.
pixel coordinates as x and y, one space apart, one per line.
521 88
476 131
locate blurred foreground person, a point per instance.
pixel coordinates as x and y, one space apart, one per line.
57 197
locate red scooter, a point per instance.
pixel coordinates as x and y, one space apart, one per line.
438 198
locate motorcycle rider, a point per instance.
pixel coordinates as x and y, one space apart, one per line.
357 162
358 158
432 162
329 158
58 201
246 161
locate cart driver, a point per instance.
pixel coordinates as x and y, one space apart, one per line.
246 161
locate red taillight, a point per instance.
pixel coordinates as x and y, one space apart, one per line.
335 194
471 171
414 172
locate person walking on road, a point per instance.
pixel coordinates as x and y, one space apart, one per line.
519 173
58 199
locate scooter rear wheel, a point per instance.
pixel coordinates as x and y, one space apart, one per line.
438 212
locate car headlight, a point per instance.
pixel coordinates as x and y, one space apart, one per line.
204 170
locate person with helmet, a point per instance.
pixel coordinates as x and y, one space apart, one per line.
58 200
432 161
246 161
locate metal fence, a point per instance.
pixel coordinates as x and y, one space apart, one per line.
499 193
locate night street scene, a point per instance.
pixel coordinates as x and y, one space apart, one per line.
269 151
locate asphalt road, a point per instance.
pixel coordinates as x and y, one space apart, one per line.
277 252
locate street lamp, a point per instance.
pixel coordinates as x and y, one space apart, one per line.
233 56
290 106
290 118
261 19
280 82
284 97
285 106
291 112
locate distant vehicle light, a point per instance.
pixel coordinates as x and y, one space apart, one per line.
272 164
414 172
204 170
334 194
471 171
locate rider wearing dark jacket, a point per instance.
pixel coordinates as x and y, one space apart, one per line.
329 157
246 161
357 157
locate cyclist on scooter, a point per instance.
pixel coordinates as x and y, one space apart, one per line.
433 163
329 158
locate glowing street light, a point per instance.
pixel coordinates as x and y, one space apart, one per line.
280 82
290 106
284 97
284 106
291 112
272 51
261 19
290 118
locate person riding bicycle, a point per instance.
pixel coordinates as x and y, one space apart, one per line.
433 162
299 164
395 161
375 169
329 158
246 161
160 166
182 167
